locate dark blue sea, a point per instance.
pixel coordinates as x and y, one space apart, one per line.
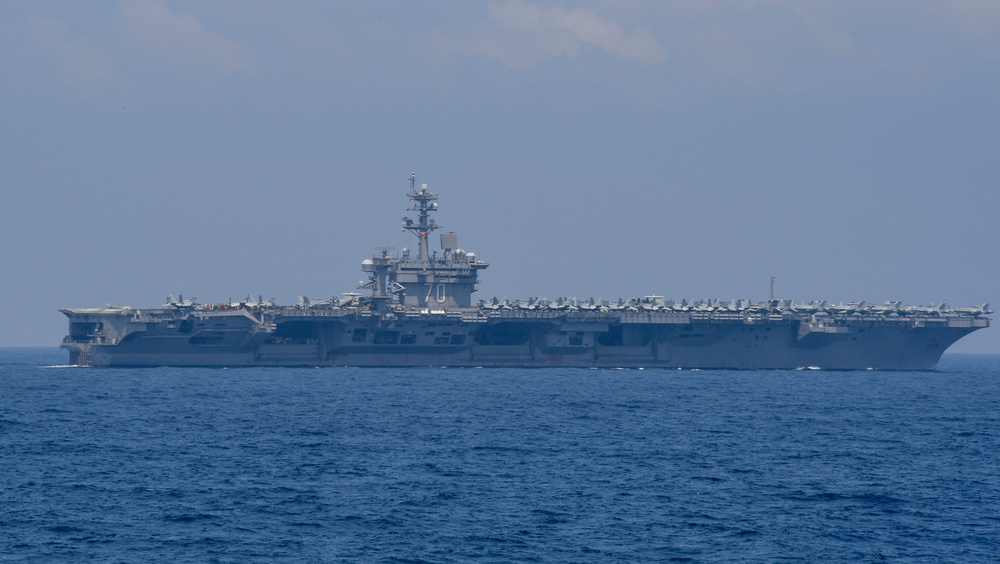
495 465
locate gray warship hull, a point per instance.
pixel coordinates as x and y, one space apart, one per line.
529 339
420 313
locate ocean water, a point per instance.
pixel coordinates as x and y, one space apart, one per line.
457 465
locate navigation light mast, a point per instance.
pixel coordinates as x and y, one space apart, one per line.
423 204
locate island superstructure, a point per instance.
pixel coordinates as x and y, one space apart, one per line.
419 311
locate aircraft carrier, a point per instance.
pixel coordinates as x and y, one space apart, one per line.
418 310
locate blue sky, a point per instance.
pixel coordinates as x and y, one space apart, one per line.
686 148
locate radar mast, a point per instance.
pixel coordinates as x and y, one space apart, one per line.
423 204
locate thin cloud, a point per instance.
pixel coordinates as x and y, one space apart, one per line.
182 40
524 35
977 16
56 55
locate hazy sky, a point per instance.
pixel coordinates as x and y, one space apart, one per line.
689 148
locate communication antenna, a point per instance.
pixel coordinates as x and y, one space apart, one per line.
423 204
772 288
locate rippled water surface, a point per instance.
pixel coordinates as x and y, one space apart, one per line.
452 465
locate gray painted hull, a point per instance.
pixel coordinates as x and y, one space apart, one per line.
636 341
